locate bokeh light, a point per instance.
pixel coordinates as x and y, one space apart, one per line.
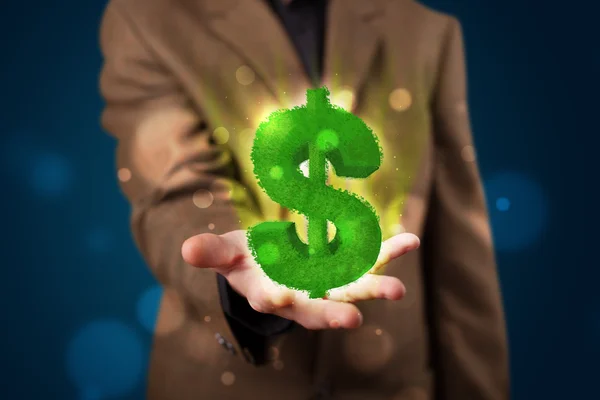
244 75
202 198
228 378
124 174
51 175
518 210
276 172
105 359
221 135
368 358
400 99
502 204
327 140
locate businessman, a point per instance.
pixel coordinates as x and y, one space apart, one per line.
186 83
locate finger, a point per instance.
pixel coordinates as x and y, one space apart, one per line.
208 250
370 287
395 247
322 314
278 296
263 295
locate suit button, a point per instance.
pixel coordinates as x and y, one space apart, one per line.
225 344
230 348
248 356
220 339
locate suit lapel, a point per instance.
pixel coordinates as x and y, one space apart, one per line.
251 30
351 44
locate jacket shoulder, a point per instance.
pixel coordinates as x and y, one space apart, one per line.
424 18
422 11
150 14
425 25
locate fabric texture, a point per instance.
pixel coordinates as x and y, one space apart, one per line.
172 76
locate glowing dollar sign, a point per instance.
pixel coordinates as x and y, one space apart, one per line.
315 132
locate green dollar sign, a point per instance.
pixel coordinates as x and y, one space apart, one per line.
317 131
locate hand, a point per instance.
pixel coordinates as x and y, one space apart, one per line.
229 256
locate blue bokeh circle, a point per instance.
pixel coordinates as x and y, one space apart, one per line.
105 359
518 210
51 175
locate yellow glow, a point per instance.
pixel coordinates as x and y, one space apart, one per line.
400 99
244 75
263 113
298 99
397 229
221 135
343 98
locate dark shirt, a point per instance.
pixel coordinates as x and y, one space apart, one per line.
304 22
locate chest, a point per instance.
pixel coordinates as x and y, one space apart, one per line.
235 79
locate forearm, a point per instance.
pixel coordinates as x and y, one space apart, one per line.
160 229
159 232
178 181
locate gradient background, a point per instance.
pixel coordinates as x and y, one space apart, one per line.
74 287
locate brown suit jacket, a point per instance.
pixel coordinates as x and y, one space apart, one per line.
172 76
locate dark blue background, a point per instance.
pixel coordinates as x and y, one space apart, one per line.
73 283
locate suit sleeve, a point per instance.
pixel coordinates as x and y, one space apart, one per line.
469 336
178 181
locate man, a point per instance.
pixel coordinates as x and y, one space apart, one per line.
186 82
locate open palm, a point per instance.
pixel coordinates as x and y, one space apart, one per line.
228 255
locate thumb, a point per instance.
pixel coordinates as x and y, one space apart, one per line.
208 250
395 247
